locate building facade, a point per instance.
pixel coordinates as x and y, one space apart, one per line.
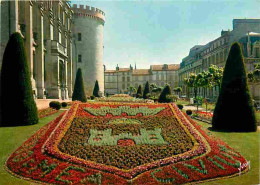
201 57
51 36
88 26
119 80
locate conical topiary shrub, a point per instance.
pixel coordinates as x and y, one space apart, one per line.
139 92
163 96
146 91
96 89
79 92
17 102
234 109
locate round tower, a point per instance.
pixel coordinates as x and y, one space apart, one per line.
88 26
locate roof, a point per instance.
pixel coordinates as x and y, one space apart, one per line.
110 71
157 67
173 67
124 69
137 72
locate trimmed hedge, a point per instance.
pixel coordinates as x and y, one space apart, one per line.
146 93
189 112
180 106
96 89
163 96
139 92
64 104
234 110
55 105
17 101
79 92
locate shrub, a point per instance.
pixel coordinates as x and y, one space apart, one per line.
180 106
55 105
16 87
234 109
166 91
189 112
171 98
64 104
92 97
146 91
96 89
79 92
139 92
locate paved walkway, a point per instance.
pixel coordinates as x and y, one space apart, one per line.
186 107
44 103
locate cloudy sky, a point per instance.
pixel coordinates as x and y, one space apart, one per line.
162 32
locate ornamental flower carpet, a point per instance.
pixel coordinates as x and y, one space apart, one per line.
124 143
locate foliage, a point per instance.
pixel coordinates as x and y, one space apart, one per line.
163 96
131 89
92 97
16 87
55 104
171 98
79 92
189 112
180 106
234 110
64 104
96 89
139 92
146 92
254 76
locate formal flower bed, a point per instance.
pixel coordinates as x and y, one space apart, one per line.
160 148
203 116
46 112
123 98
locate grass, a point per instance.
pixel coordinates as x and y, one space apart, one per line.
245 143
13 137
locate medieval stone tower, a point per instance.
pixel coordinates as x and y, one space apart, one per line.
88 25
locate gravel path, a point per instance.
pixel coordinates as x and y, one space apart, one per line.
44 103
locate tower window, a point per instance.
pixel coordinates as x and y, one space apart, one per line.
79 58
79 36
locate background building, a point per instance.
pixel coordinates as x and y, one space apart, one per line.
216 52
57 42
88 26
120 79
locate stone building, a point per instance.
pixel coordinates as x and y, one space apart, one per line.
88 25
245 31
46 29
120 79
51 32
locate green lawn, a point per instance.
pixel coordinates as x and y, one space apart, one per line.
13 137
248 145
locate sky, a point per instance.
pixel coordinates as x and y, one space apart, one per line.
162 32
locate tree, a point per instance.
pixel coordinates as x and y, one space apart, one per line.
96 89
217 75
17 101
234 110
79 92
146 90
163 96
139 92
131 89
177 90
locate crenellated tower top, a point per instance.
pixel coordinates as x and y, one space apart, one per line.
88 11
